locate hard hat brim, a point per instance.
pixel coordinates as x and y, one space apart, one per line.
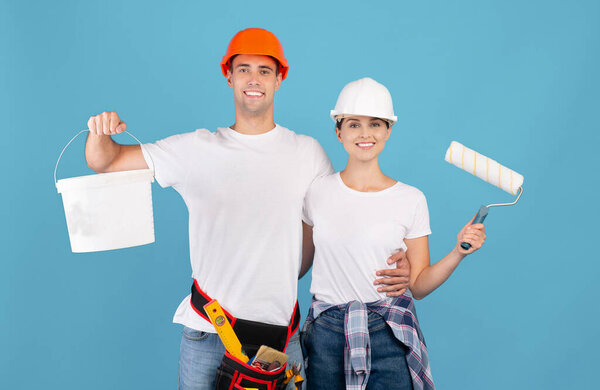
283 66
335 116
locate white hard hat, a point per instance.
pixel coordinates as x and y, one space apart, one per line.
365 97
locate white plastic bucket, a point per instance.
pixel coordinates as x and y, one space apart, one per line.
108 210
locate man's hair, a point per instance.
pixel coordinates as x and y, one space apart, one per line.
277 64
338 124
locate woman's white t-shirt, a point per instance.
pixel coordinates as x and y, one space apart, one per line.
355 232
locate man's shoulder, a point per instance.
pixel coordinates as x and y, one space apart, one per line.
198 133
300 138
202 133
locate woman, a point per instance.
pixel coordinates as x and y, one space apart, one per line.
355 337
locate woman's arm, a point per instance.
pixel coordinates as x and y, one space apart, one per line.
424 277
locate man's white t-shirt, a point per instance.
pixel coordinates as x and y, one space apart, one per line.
355 232
244 194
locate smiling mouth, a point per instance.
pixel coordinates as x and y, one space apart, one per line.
254 93
365 145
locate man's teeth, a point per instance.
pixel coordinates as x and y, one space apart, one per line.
252 93
366 144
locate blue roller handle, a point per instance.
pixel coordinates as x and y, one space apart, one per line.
479 218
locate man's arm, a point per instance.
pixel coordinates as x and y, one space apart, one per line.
393 281
308 249
105 155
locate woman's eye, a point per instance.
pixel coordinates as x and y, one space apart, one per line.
354 125
375 124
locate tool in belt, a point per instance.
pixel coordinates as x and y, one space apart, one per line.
235 373
252 334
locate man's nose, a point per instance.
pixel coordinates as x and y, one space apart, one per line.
253 80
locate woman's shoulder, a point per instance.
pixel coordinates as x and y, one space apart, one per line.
322 185
325 181
407 190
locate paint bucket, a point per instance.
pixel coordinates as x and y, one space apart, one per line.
107 210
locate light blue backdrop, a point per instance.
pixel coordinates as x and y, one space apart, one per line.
515 80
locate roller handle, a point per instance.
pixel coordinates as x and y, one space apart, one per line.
479 218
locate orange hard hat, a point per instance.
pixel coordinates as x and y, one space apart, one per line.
255 41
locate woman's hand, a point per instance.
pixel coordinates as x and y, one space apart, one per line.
472 234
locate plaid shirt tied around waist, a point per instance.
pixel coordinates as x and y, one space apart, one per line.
399 314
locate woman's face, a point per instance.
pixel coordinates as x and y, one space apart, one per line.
363 136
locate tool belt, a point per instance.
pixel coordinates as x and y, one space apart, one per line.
233 373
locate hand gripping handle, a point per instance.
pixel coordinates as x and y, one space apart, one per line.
479 218
77 135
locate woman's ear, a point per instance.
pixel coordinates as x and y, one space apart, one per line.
338 133
389 132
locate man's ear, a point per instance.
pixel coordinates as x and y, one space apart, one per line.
278 82
229 78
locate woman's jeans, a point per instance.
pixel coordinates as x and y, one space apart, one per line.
201 353
324 343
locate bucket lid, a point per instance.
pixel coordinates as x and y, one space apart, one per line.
104 179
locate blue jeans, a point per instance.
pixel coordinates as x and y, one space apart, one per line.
201 353
324 343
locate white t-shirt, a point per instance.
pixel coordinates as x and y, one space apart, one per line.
244 194
355 232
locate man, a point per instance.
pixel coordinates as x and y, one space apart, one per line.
244 187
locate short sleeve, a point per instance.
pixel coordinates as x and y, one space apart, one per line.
306 209
420 226
168 156
323 166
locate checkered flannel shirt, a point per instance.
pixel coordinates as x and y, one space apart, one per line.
400 315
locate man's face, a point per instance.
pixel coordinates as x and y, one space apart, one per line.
254 81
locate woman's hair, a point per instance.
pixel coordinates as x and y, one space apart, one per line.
338 124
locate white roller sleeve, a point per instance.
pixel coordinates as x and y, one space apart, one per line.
484 168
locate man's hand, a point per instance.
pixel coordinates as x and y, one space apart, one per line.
107 123
394 281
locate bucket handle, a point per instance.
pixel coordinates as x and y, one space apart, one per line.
83 131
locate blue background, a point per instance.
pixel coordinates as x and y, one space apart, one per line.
515 80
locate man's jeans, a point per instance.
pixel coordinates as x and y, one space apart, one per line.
201 353
324 343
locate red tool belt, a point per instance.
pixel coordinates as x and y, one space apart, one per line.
251 334
233 374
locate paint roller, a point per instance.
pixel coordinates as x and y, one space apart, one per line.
486 169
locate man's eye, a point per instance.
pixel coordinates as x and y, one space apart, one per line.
265 72
243 70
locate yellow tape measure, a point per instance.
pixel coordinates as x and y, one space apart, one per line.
221 323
